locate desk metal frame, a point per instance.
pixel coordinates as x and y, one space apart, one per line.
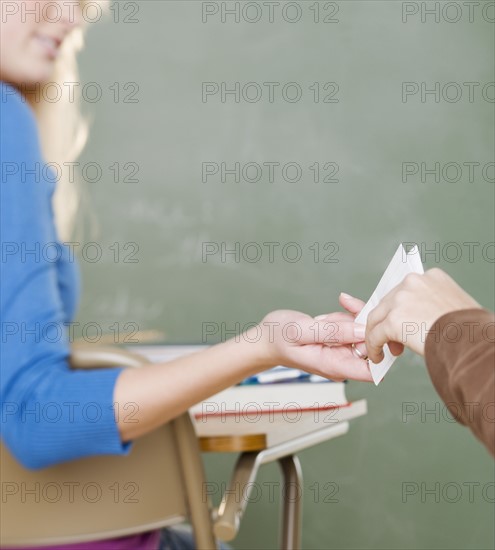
229 514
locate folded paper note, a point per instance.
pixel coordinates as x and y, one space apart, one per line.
401 265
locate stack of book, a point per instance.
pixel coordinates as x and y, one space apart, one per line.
281 403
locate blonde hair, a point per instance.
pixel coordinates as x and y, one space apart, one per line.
63 130
63 134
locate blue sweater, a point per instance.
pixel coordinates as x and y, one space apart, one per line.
49 413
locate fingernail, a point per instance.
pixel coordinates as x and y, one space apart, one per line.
359 330
321 317
344 295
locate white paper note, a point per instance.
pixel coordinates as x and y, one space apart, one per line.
401 265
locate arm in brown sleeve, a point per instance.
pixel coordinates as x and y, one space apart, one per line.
460 357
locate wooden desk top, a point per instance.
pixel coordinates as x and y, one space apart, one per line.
233 443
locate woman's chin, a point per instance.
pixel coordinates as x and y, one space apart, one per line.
31 77
45 75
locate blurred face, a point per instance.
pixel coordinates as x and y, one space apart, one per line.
31 34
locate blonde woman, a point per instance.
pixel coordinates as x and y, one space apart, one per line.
39 296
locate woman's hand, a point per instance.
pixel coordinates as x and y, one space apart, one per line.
406 314
319 345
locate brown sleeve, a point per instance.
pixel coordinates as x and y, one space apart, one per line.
460 357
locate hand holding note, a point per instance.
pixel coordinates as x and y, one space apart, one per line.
401 265
404 306
408 312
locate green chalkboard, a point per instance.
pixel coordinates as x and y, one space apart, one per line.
250 156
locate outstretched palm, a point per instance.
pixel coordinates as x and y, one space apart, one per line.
320 347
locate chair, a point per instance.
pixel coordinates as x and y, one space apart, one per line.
160 483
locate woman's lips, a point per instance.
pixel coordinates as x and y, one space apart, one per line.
50 45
